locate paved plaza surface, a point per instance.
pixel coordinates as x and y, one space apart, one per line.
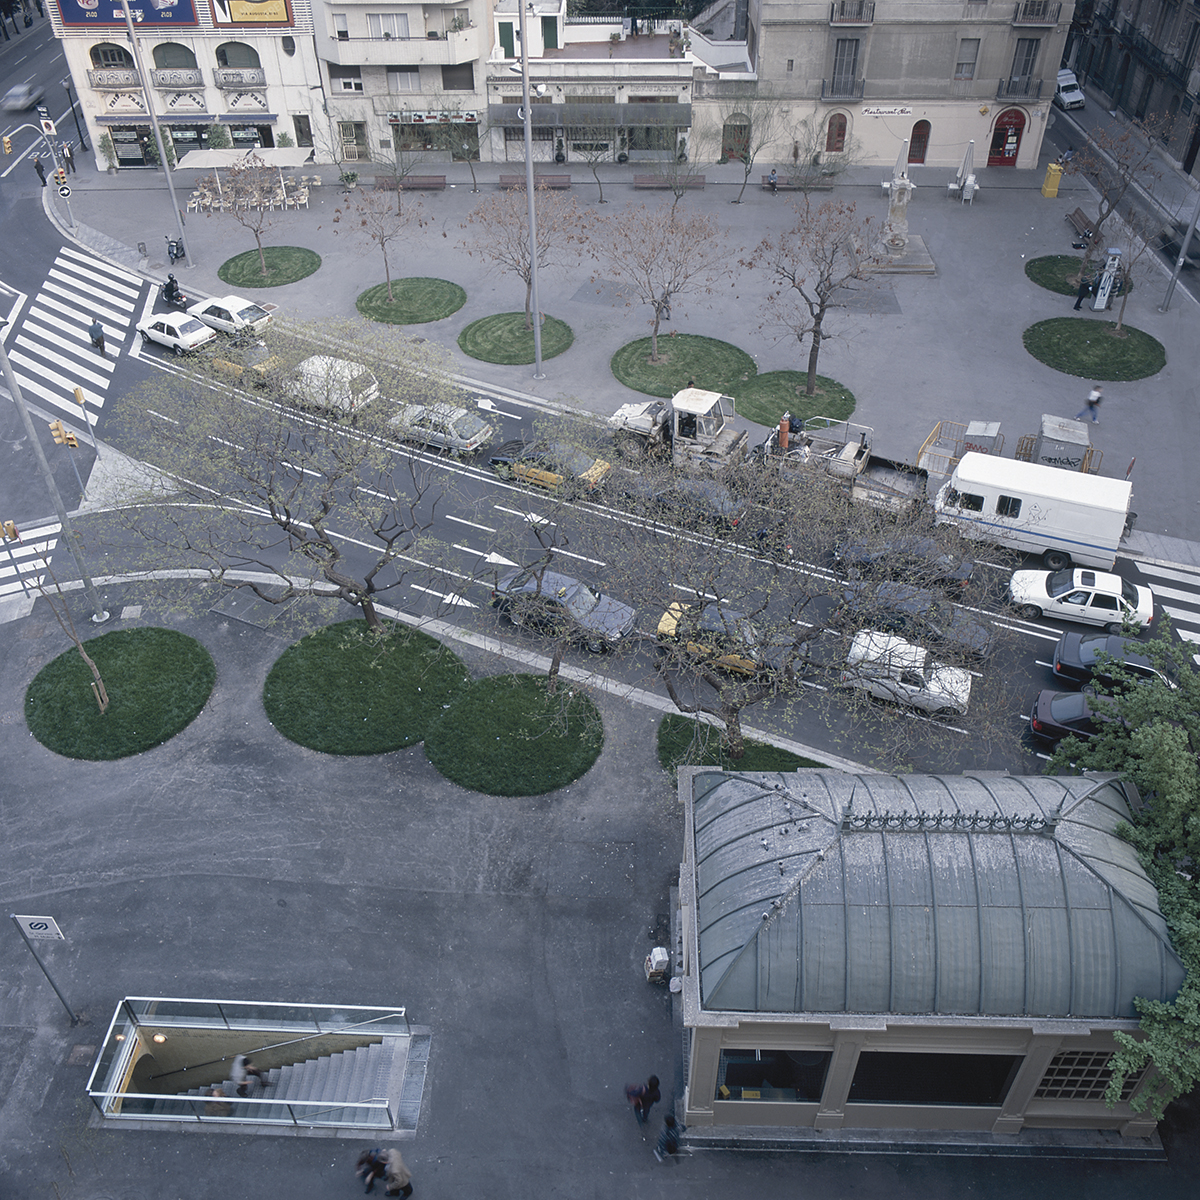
229 863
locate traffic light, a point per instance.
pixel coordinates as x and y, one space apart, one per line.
64 437
60 177
7 144
10 532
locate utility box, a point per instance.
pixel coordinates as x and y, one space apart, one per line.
1052 180
1062 442
658 965
983 437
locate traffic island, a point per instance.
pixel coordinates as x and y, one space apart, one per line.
414 301
684 359
285 264
1095 349
510 735
348 690
765 398
152 684
504 339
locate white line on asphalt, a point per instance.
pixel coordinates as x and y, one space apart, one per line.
448 597
582 557
472 524
531 517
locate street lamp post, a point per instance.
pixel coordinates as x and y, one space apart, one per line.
75 113
1179 262
538 373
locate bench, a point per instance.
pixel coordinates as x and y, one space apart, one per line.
785 185
1082 224
411 183
665 182
554 182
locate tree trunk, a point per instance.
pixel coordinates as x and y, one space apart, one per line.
262 258
387 274
555 664
369 614
529 304
735 742
654 336
98 688
599 184
814 350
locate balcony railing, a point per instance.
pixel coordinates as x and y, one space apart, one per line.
1153 55
852 12
1026 89
232 79
1037 12
177 79
842 88
113 79
595 116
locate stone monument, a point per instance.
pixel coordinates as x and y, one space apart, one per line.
895 231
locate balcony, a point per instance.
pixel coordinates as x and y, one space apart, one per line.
177 79
595 116
444 50
1037 12
113 79
239 79
1019 89
842 88
1153 56
852 12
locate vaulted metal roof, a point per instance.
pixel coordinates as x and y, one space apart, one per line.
980 894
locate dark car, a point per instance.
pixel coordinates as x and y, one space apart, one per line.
906 557
549 465
691 503
563 607
717 635
918 615
1077 659
1057 715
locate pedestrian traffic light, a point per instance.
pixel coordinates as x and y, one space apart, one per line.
64 437
7 144
60 177
10 532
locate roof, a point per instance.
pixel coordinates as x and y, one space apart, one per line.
1052 482
823 891
698 401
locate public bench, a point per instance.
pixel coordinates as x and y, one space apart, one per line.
1082 225
411 183
554 182
664 182
787 185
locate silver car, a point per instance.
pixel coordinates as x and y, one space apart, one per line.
442 426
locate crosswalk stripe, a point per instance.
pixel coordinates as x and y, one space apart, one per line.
1160 572
108 268
77 313
80 350
73 273
85 304
65 403
21 566
50 376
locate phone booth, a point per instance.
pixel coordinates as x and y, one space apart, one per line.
1006 138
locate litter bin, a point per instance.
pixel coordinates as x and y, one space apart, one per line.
1050 185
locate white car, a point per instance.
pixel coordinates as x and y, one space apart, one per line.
892 669
177 331
442 425
21 97
232 314
1077 594
334 385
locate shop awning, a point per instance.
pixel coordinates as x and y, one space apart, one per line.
212 160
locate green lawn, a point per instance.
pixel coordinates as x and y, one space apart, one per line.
414 301
683 742
507 736
1089 349
765 398
714 365
157 681
503 338
344 690
285 264
1054 271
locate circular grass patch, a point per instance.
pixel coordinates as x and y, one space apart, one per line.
712 364
765 398
346 690
414 301
285 264
508 736
157 681
503 338
682 741
1060 273
1092 350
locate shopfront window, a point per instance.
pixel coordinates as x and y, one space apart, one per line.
782 1075
961 1079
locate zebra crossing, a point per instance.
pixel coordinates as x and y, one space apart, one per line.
51 352
22 565
1177 592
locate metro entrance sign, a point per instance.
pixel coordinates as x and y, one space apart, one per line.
42 929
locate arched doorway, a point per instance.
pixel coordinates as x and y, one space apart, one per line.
735 137
835 134
1006 138
918 142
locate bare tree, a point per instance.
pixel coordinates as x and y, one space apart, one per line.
811 163
502 235
590 140
661 256
454 134
247 192
747 119
826 251
370 217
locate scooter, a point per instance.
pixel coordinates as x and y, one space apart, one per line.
178 300
175 250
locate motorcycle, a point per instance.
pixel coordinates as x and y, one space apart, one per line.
175 250
176 299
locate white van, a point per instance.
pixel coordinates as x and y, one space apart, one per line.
889 668
335 384
1067 93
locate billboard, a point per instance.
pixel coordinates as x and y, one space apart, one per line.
250 12
79 13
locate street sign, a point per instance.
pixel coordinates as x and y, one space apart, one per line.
48 127
43 112
64 191
40 928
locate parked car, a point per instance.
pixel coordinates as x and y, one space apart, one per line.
1077 659
22 97
1057 715
442 426
1077 594
889 668
1170 239
333 385
906 557
919 615
244 358
723 638
561 606
691 503
177 331
232 314
549 465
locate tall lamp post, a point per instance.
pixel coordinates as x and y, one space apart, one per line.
75 113
144 79
538 373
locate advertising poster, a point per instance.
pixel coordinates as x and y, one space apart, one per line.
79 13
251 12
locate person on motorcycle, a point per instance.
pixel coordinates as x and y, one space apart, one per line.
171 292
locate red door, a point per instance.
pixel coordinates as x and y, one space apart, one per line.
1006 138
918 142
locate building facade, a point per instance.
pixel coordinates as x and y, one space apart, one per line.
915 952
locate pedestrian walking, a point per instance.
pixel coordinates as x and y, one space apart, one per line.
773 179
1085 290
240 1074
68 159
668 1138
387 1165
41 171
1092 406
643 1097
97 333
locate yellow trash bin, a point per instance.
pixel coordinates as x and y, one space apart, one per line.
1050 186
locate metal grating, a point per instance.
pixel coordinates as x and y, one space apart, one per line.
1082 1075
